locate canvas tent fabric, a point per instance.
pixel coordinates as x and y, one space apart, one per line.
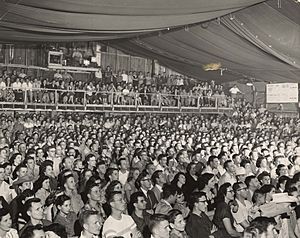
253 39
57 20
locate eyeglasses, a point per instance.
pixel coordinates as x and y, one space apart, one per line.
204 201
242 189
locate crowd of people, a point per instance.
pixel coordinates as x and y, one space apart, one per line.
108 87
179 176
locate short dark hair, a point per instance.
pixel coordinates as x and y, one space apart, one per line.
84 216
226 163
248 179
155 176
110 196
155 219
134 199
61 199
173 214
28 203
211 159
194 198
262 223
262 175
58 229
29 231
168 190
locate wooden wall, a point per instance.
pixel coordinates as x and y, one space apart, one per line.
120 61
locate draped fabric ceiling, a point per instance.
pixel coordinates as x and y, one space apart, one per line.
252 39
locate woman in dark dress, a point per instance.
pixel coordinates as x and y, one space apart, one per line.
223 218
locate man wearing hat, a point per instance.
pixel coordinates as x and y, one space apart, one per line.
240 173
22 183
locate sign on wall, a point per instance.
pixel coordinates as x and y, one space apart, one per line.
282 93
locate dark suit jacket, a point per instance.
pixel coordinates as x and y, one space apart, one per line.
151 200
157 193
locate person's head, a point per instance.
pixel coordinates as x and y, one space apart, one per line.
33 232
63 204
42 182
93 192
116 201
158 178
240 189
20 171
137 202
46 168
252 182
213 161
34 209
258 198
268 190
111 174
150 168
91 222
191 168
198 202
68 163
122 164
5 220
159 226
91 161
143 181
264 178
29 162
236 158
282 170
68 182
133 174
176 220
225 192
169 193
207 180
56 230
265 227
282 181
229 166
179 179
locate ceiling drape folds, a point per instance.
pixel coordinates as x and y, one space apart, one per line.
252 39
63 20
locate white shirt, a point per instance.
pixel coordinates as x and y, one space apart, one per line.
6 192
123 177
234 90
242 214
123 227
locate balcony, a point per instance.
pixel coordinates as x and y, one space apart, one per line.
99 101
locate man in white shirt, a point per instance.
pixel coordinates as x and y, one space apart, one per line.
91 222
241 216
229 176
123 170
124 76
119 224
234 91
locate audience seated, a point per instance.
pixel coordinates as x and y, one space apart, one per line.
120 88
126 175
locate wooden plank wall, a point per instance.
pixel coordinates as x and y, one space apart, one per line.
120 61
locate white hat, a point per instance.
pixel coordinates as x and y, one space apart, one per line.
240 171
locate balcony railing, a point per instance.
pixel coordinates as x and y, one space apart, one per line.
69 100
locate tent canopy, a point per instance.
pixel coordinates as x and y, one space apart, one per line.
252 39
